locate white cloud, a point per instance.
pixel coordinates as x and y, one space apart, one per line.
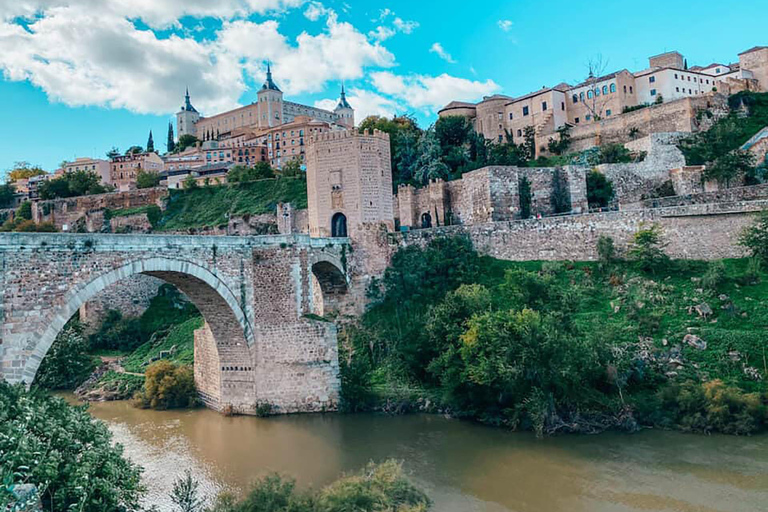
316 10
431 92
83 56
406 27
365 103
384 32
505 25
438 49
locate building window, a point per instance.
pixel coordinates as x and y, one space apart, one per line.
501 139
690 91
576 120
716 71
510 116
588 117
543 106
652 79
613 87
625 89
575 98
519 133
605 89
630 89
689 79
608 112
589 94
678 89
653 92
562 105
597 91
581 96
525 111
675 76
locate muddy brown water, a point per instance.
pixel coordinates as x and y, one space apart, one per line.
464 467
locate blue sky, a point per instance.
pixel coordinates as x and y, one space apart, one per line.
81 76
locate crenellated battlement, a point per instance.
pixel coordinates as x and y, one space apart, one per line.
335 135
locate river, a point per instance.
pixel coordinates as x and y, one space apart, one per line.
464 467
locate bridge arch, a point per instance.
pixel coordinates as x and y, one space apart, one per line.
228 335
330 283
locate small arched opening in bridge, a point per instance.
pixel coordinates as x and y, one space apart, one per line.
329 287
223 357
339 225
426 220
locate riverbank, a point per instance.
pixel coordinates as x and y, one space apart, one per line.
464 467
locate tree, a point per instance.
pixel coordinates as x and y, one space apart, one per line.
147 179
73 184
526 198
189 183
150 143
167 386
595 101
134 150
755 238
67 453
528 147
430 165
242 174
23 171
292 169
647 249
185 141
113 153
599 190
404 135
67 363
736 164
186 494
24 211
561 196
614 154
6 195
170 144
560 145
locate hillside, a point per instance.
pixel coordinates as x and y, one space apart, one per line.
214 205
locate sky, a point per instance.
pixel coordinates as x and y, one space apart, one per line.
81 76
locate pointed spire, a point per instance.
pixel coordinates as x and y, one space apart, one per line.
269 84
188 104
343 103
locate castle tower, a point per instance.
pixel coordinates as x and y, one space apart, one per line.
187 118
345 111
349 183
270 99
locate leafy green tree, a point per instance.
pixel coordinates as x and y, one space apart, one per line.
404 134
24 211
735 165
755 238
430 165
647 249
65 452
453 131
561 144
614 154
6 195
113 153
147 179
528 147
526 197
117 333
242 174
23 170
167 386
190 183
73 184
185 141
599 190
67 363
134 150
292 169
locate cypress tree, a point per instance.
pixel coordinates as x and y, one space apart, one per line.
171 144
150 143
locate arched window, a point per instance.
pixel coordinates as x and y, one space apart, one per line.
613 87
597 91
605 89
589 94
581 95
575 98
426 220
339 226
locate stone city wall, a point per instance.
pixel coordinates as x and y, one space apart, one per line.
728 195
131 297
703 232
69 211
681 115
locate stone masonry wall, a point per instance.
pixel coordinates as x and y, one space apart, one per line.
728 195
207 372
131 297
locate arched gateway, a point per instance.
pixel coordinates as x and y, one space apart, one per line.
256 346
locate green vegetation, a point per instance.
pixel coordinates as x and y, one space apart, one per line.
185 141
242 174
152 211
6 195
167 386
377 488
147 179
67 454
560 347
67 364
213 206
180 336
755 238
71 184
23 171
599 190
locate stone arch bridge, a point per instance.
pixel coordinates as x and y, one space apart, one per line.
257 345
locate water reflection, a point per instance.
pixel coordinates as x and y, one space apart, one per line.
464 467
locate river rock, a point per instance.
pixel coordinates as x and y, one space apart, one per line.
694 341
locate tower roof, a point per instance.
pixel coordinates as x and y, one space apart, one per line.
343 103
187 107
269 84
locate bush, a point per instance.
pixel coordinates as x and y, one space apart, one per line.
116 333
67 363
65 452
714 277
241 173
755 238
147 179
167 386
526 197
647 249
24 211
599 190
614 154
606 251
377 488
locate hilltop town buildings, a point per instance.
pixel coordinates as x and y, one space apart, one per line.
124 169
600 99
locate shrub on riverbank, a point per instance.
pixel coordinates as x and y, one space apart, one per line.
167 386
563 346
67 454
377 488
67 364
